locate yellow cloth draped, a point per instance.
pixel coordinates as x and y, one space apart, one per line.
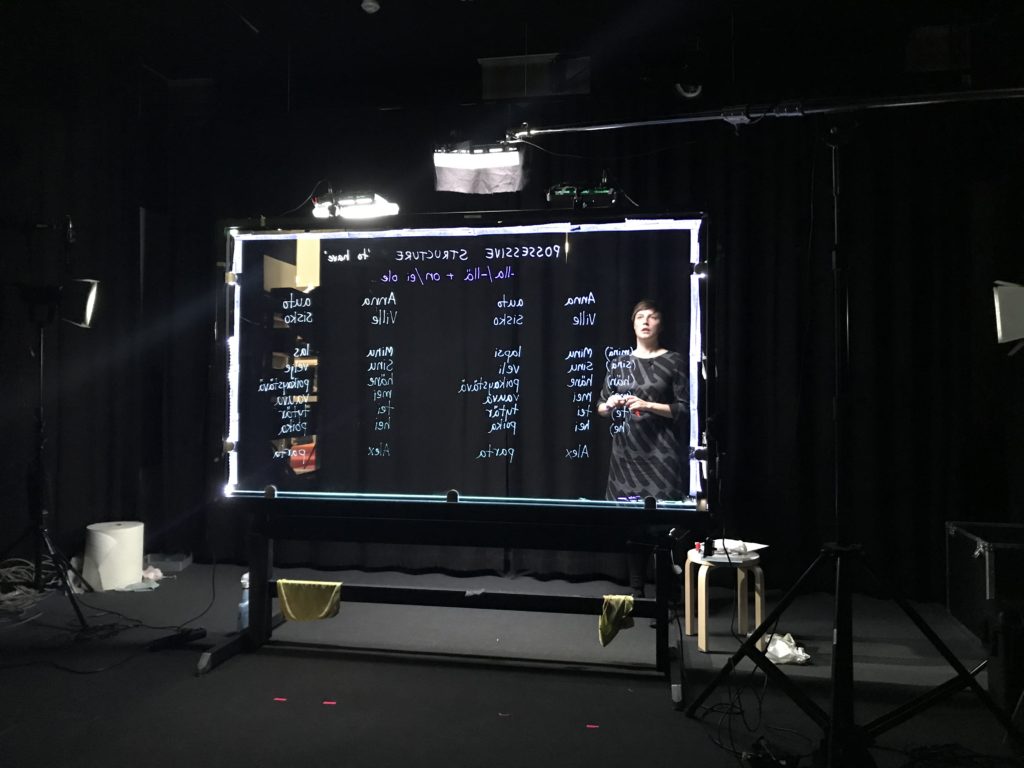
308 600
616 614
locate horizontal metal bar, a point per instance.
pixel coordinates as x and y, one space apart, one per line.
744 114
596 668
643 608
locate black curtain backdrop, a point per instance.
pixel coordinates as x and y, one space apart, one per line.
929 202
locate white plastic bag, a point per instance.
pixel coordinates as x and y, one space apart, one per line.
782 649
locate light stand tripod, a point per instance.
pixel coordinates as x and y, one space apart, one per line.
845 743
38 481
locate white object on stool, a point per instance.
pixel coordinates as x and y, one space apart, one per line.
746 565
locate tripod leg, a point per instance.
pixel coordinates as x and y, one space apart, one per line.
932 696
61 564
78 573
962 674
846 743
1019 709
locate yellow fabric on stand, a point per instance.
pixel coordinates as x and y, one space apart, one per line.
308 600
616 614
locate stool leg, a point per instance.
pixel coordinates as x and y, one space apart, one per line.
742 607
688 588
702 609
759 604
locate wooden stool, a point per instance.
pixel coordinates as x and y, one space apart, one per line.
751 564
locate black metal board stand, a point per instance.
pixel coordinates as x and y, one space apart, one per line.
267 525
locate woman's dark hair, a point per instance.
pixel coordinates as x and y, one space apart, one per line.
648 304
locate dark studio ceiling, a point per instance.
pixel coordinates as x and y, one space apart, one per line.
631 56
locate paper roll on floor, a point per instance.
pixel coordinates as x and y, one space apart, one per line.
113 554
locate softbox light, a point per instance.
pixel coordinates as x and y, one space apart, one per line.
479 170
77 301
1009 303
73 301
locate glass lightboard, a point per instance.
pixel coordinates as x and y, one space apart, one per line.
401 360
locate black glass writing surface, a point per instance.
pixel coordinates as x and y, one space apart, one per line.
415 360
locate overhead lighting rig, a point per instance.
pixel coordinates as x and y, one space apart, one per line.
572 196
481 169
367 205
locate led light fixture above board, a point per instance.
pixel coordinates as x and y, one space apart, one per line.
367 205
479 170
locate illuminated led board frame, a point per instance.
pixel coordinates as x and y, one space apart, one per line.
235 430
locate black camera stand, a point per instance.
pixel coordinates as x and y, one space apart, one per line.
38 489
845 744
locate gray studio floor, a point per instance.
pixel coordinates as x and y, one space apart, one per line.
893 662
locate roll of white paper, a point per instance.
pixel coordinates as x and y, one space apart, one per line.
113 554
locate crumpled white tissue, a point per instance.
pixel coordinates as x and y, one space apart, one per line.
782 649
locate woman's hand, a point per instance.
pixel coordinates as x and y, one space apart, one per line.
635 404
611 404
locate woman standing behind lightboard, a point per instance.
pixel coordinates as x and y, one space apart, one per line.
646 395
